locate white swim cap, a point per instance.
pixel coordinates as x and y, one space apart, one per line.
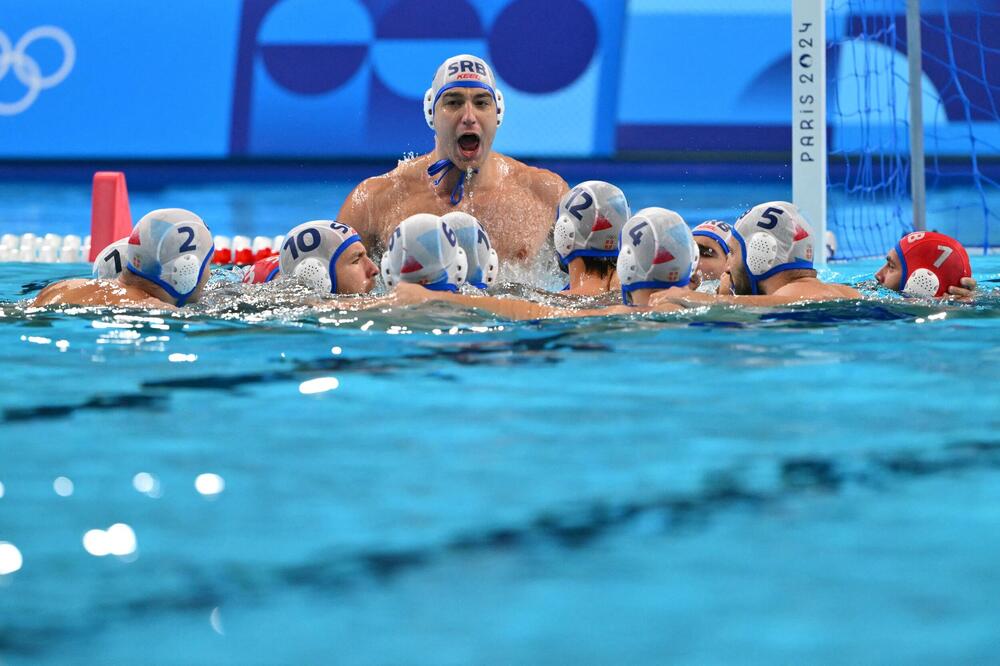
311 250
717 230
424 250
111 260
589 220
484 264
657 252
775 238
462 71
171 248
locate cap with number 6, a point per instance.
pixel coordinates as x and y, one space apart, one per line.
424 250
931 263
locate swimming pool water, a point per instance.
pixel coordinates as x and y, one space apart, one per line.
812 484
432 486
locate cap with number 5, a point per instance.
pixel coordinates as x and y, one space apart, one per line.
931 263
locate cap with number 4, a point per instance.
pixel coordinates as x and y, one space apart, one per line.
931 263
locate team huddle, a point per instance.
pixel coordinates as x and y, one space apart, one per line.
442 223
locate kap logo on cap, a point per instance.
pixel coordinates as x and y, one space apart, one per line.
931 263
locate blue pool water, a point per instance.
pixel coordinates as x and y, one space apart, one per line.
812 484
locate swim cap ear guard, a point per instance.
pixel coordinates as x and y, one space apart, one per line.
171 248
482 260
657 252
311 250
931 262
589 220
462 71
424 250
774 238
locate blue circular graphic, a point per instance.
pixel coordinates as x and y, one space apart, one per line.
312 69
540 46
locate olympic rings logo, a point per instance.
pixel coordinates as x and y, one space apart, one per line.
27 70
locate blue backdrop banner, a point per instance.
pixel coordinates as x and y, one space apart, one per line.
582 78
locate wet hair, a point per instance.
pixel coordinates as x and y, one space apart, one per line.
603 266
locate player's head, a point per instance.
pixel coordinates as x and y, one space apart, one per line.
464 107
925 264
424 250
111 260
712 238
657 252
329 257
768 239
170 249
589 220
484 264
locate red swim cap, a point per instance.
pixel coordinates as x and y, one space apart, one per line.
931 263
264 270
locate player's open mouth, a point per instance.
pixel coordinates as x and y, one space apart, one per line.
468 145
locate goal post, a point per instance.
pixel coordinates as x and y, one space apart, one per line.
809 155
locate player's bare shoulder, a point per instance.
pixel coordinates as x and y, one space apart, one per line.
546 186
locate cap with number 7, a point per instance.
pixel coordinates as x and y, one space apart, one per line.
931 263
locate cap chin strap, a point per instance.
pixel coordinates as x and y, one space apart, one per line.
443 167
180 298
755 280
441 285
627 289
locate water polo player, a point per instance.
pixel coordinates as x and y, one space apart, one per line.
712 238
324 254
168 255
513 201
657 252
484 264
927 264
424 250
770 262
589 221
